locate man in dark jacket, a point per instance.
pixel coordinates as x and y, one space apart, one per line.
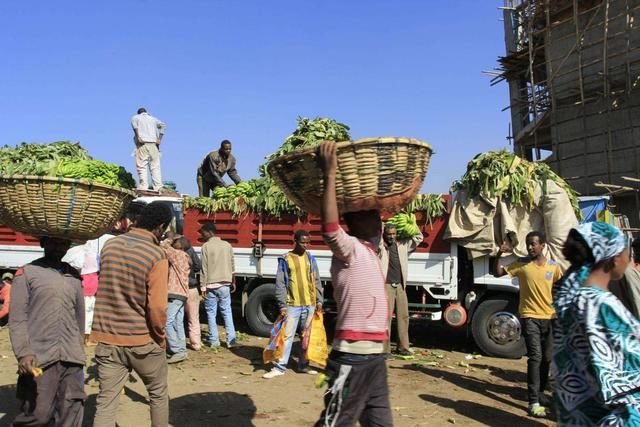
214 166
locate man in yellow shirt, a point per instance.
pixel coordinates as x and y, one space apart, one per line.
536 276
299 294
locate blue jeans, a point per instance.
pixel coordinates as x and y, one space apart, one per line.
295 315
219 297
176 340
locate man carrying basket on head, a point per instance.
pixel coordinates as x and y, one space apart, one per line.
358 388
46 326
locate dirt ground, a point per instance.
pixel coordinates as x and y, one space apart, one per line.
444 385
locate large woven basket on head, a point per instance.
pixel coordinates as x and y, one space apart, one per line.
59 207
373 173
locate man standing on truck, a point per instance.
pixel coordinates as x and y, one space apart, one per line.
536 276
299 295
394 255
217 279
148 132
214 166
50 352
130 317
358 388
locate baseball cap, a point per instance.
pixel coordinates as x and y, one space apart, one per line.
7 276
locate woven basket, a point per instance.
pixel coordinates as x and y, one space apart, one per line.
373 173
59 207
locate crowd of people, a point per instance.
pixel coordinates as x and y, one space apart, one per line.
130 293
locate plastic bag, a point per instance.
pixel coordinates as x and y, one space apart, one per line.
315 338
275 349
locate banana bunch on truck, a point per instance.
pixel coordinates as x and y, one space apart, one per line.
243 189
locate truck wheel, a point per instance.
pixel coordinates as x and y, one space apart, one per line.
496 328
262 309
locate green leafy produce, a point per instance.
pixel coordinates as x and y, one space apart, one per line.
309 133
62 159
259 195
406 225
431 205
38 159
503 174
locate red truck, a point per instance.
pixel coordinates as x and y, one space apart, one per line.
443 284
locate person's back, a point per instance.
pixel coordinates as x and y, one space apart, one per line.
219 261
148 132
217 278
128 263
148 127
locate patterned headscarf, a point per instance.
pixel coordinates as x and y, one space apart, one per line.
605 242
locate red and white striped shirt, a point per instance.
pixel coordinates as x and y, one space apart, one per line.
358 287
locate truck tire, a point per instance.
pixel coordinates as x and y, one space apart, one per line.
262 309
496 328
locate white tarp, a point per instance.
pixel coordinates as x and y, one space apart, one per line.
481 224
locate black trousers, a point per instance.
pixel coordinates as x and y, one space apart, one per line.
537 337
365 394
54 399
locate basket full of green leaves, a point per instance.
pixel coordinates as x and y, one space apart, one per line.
58 190
373 173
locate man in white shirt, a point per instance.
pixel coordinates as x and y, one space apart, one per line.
148 132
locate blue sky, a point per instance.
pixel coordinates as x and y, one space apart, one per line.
245 70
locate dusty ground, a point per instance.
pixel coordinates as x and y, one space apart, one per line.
441 387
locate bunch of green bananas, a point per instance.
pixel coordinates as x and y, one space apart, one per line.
96 171
242 189
406 225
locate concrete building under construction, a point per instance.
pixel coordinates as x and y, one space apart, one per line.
573 69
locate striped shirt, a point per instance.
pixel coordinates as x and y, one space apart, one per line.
301 290
131 303
358 287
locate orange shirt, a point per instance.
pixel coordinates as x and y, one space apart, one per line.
5 297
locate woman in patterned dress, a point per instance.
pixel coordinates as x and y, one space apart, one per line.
596 340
